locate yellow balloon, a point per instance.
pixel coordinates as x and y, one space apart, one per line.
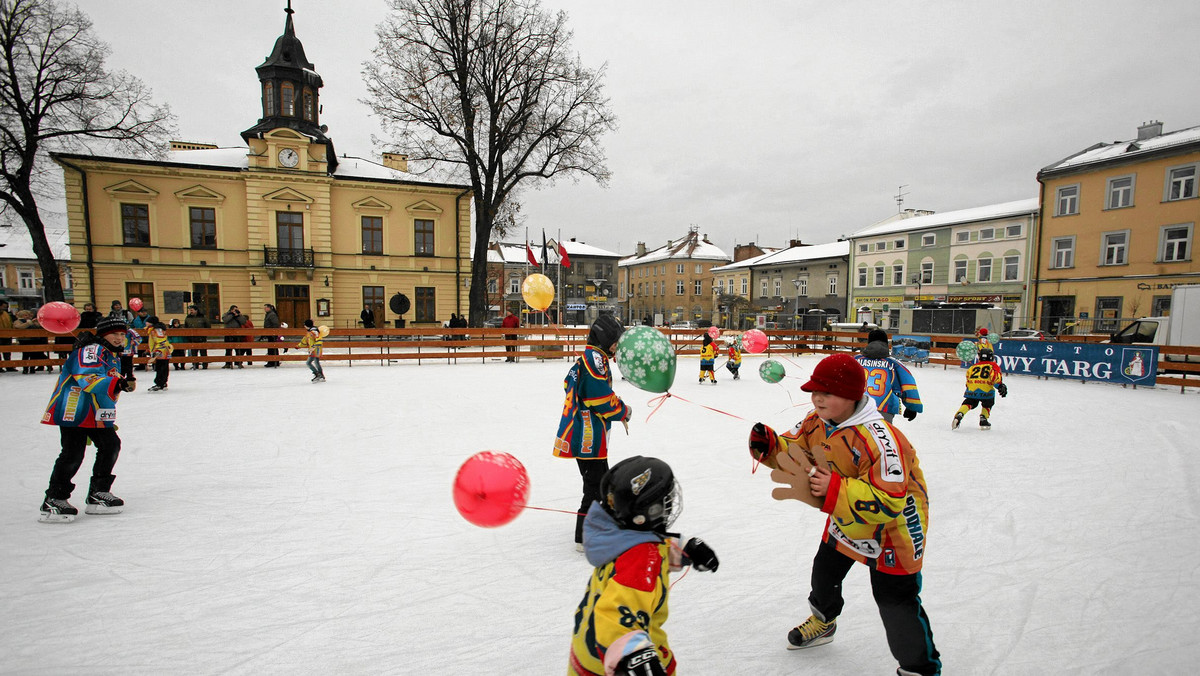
538 291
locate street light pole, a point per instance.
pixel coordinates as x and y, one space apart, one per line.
796 315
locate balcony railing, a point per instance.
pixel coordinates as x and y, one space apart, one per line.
287 258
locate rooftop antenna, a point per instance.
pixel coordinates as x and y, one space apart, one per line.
900 198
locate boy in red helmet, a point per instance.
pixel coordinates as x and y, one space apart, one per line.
863 473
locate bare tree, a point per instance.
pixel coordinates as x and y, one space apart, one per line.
55 94
491 90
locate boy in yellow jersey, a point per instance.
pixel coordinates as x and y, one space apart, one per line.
735 358
984 380
159 347
708 354
312 341
861 471
619 622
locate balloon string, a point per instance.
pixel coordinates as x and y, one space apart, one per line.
790 361
662 399
675 546
715 410
561 511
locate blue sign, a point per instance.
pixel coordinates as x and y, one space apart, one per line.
1123 364
913 349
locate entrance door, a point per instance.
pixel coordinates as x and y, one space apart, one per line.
291 301
1057 311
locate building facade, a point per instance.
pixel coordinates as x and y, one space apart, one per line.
584 281
980 255
1119 228
20 273
283 220
672 283
787 285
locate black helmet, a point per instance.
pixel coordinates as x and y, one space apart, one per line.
605 331
642 494
986 355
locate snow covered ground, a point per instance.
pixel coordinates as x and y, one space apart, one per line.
275 526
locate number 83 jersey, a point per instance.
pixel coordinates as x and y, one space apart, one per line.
889 383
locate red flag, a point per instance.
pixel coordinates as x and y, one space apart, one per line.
566 260
529 256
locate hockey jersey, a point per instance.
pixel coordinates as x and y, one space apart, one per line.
589 408
312 341
708 354
628 591
889 383
132 340
87 389
982 378
159 346
735 356
877 503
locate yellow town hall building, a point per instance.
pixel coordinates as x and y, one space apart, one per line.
283 221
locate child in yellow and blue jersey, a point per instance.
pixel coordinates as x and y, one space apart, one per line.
129 350
313 342
735 358
982 342
619 622
888 381
159 348
589 409
984 380
708 354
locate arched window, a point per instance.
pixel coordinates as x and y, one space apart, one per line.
308 104
287 99
268 99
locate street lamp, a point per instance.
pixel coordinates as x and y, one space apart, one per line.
916 279
796 314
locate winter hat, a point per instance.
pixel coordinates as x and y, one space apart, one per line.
877 335
840 375
983 332
308 324
109 325
152 319
605 331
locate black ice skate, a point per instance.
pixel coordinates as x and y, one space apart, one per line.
984 424
55 510
103 502
156 388
957 419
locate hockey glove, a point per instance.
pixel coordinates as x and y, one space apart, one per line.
633 655
763 442
700 555
909 414
127 384
1002 389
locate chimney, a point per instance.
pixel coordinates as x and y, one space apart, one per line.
397 161
795 243
641 249
1149 130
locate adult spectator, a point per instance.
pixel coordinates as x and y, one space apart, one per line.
511 322
117 312
140 320
174 337
234 319
271 321
6 323
196 320
89 317
368 317
246 351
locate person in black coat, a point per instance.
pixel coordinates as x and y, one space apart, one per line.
89 317
368 317
271 321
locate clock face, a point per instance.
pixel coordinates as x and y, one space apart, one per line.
288 157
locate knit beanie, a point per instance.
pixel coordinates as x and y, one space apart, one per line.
877 335
840 375
109 325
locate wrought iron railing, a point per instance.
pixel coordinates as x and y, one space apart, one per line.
287 258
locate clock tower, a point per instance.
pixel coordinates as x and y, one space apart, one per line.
290 101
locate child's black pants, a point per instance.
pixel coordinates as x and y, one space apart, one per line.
74 441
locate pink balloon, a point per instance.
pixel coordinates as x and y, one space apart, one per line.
58 317
491 488
714 332
135 304
754 341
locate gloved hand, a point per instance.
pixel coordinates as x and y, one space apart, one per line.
700 555
763 442
633 655
1002 389
127 384
628 412
909 414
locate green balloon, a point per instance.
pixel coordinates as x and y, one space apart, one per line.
966 350
646 359
771 371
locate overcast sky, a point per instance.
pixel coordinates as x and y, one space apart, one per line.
753 121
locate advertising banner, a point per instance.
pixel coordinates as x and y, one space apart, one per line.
1122 364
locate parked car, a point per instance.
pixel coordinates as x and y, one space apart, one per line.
684 325
1023 334
494 323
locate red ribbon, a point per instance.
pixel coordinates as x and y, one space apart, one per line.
663 399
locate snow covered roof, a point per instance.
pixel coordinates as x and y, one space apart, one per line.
746 262
16 244
799 254
691 246
1124 150
974 214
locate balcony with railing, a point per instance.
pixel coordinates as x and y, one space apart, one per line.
275 257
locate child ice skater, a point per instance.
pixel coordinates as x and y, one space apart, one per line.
312 341
84 406
734 364
864 474
619 622
129 350
708 354
589 409
888 381
984 380
160 349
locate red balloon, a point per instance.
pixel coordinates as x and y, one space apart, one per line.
135 304
491 488
714 332
58 317
754 341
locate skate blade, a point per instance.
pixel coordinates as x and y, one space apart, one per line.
56 518
102 509
814 644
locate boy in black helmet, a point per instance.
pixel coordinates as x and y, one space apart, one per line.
619 622
590 408
984 380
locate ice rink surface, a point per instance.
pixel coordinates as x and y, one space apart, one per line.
276 526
